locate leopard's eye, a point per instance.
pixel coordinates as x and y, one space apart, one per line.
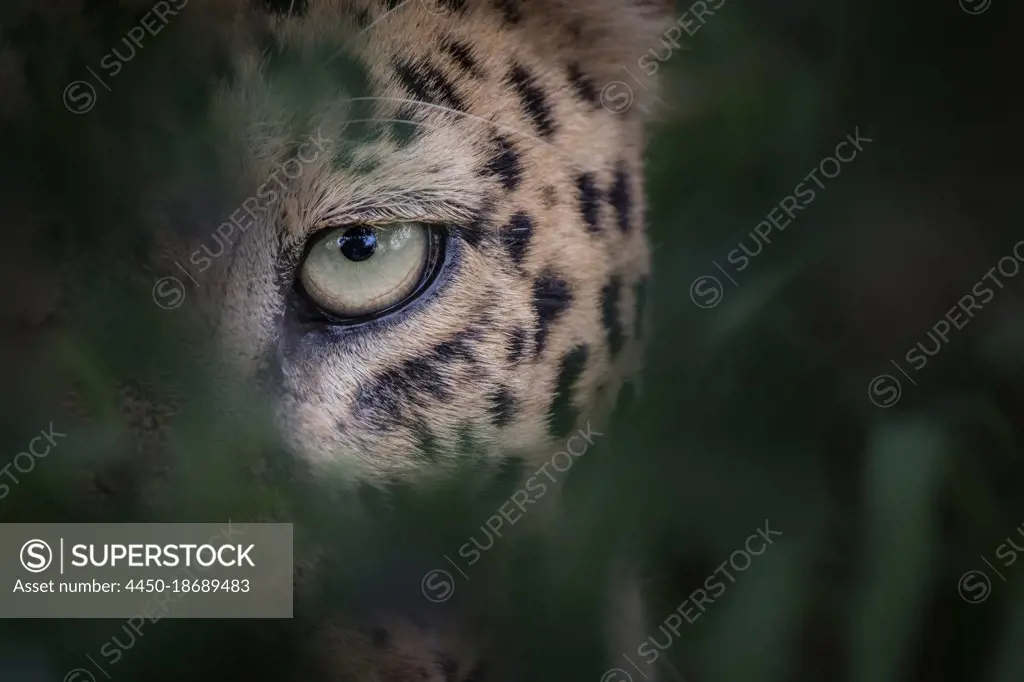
363 271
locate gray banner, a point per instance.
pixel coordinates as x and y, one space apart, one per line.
151 570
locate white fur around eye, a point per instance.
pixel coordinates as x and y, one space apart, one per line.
355 288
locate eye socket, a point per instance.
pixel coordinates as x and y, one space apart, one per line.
360 272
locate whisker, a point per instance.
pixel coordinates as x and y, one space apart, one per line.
387 120
384 16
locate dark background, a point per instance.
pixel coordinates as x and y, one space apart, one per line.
755 408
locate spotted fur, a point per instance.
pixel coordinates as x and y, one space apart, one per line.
485 116
543 190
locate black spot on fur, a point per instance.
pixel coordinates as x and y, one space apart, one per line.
475 232
516 345
396 389
535 102
472 237
562 415
516 236
551 296
457 348
454 5
589 196
295 8
619 197
640 290
511 10
610 315
582 84
362 19
503 406
462 54
505 163
429 84
379 637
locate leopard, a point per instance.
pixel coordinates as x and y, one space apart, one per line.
439 239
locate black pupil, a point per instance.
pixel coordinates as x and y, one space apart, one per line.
358 243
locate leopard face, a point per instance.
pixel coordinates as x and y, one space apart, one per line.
434 247
474 134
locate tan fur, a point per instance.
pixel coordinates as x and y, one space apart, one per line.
435 179
441 167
